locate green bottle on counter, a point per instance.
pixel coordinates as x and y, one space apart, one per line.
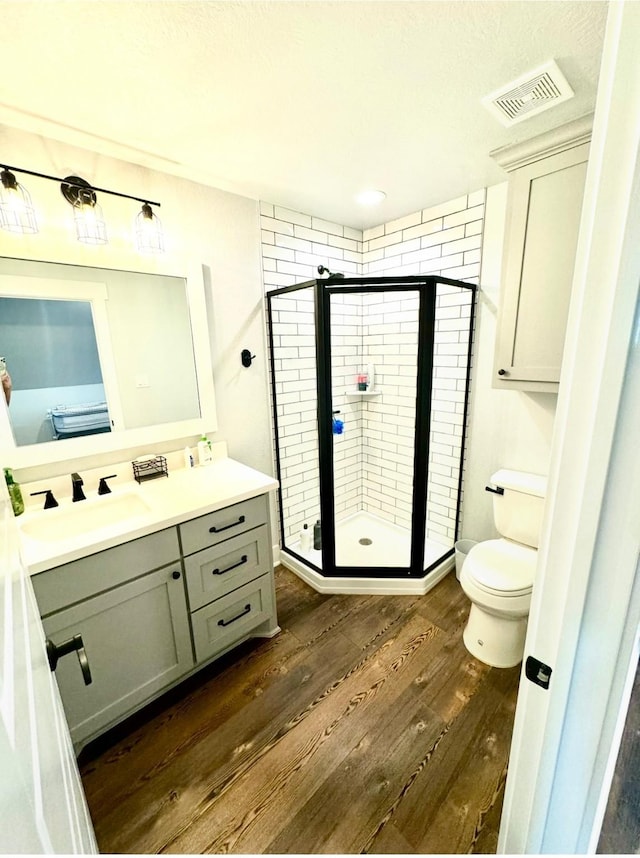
14 493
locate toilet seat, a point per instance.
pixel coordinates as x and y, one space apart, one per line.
501 567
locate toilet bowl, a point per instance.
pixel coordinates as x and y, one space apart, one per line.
498 574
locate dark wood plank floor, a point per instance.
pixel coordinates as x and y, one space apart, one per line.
364 727
620 833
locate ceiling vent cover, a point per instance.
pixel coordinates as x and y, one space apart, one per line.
532 93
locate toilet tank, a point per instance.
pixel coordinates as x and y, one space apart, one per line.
518 512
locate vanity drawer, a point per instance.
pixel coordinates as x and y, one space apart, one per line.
215 571
219 625
64 585
223 524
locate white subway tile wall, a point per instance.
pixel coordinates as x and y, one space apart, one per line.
390 347
374 457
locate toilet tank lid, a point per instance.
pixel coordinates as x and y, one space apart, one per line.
521 481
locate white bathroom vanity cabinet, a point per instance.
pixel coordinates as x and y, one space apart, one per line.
546 185
154 609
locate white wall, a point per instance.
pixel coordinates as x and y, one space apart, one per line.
201 224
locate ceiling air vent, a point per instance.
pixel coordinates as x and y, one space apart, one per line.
532 93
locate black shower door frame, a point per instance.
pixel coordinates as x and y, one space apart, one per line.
323 290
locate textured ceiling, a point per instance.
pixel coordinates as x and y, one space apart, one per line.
299 103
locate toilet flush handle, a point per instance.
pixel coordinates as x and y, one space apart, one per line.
497 491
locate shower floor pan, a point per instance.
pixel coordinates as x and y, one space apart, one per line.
365 540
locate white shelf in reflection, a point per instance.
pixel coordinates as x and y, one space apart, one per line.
364 393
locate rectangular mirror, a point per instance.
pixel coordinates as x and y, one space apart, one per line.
100 359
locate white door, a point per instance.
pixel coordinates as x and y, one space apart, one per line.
586 603
42 804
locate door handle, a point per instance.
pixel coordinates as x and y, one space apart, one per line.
74 644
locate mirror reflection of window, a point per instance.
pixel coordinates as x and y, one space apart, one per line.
51 353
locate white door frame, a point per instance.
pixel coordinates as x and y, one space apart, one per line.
586 606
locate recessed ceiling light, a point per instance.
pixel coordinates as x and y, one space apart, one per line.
370 198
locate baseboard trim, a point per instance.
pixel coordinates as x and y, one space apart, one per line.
368 586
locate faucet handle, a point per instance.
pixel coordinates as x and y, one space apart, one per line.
49 501
76 484
103 488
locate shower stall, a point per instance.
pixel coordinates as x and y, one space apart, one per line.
370 388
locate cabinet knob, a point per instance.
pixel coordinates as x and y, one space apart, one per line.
502 372
175 575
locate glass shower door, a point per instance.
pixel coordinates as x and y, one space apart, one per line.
294 390
374 376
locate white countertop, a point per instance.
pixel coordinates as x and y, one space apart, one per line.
186 493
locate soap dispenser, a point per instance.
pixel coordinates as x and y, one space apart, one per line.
14 492
317 536
205 454
305 538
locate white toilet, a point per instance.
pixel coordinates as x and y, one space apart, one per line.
498 574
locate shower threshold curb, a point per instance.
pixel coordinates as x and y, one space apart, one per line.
368 586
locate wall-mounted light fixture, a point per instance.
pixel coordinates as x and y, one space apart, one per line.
18 215
16 209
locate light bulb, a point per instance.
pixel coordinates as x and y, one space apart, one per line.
16 210
149 234
90 225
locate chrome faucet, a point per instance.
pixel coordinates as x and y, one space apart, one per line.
76 484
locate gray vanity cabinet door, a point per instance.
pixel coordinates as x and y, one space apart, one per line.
137 642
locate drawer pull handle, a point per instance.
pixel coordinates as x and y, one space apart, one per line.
227 526
229 568
247 610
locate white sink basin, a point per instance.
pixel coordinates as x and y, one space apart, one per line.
63 523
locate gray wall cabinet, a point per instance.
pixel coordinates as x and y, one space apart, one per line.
154 610
543 218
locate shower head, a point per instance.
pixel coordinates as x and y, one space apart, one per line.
332 275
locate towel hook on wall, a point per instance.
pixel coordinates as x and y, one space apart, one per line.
246 357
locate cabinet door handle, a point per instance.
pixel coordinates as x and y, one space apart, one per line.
502 372
247 610
175 575
227 526
229 568
74 644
